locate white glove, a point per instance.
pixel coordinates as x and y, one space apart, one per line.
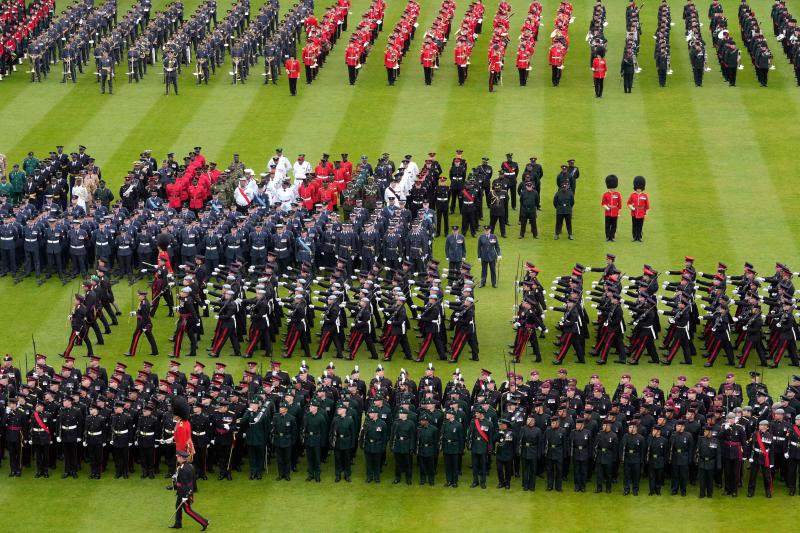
133 313
79 440
212 441
85 444
751 460
143 271
517 324
58 439
216 317
660 311
786 455
499 257
171 283
594 306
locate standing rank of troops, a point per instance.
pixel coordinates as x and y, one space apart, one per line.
560 41
672 438
363 37
786 31
399 42
696 43
21 25
528 37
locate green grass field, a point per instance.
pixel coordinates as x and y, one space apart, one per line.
721 170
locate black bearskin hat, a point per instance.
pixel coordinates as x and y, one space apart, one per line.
612 181
638 183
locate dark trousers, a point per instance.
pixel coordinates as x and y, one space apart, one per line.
680 477
284 456
428 75
293 86
42 454
391 75
494 219
171 80
529 474
479 467
256 457
554 474
561 219
698 76
556 77
627 81
605 475
524 219
580 471
121 461
611 227
662 77
451 467
631 475
103 79
656 478
182 506
427 471
374 465
756 469
492 266
314 459
637 224
342 462
402 465
505 470
523 76
598 87
352 74
442 215
462 75
706 480
469 220
150 338
70 450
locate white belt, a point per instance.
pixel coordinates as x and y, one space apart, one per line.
8 238
199 434
258 247
121 432
69 428
94 433
31 240
53 242
147 434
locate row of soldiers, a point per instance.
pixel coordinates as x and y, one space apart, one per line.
728 54
363 37
787 32
19 25
46 48
725 330
529 35
696 43
468 32
755 42
692 434
399 41
106 39
322 34
144 49
560 41
498 43
250 45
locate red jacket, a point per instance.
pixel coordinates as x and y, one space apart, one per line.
309 55
428 58
639 204
523 58
351 55
197 196
390 58
599 67
308 195
612 200
461 55
557 56
292 68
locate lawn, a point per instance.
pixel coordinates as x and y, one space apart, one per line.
722 181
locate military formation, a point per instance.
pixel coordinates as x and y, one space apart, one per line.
669 439
19 25
83 32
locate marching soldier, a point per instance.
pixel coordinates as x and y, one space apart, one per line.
184 481
144 324
106 66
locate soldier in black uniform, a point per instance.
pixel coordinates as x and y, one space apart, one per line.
184 482
555 440
708 458
762 459
70 435
40 436
441 196
458 175
144 324
681 452
580 447
170 72
632 450
94 438
655 459
605 456
121 428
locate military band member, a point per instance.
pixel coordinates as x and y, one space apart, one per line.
144 324
106 66
171 68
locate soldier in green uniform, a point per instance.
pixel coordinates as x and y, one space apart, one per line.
315 426
256 423
17 179
504 451
605 456
284 434
30 164
656 459
708 456
374 435
343 440
452 444
480 436
632 450
402 443
427 448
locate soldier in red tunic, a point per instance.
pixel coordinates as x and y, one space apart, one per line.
612 202
292 72
639 204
